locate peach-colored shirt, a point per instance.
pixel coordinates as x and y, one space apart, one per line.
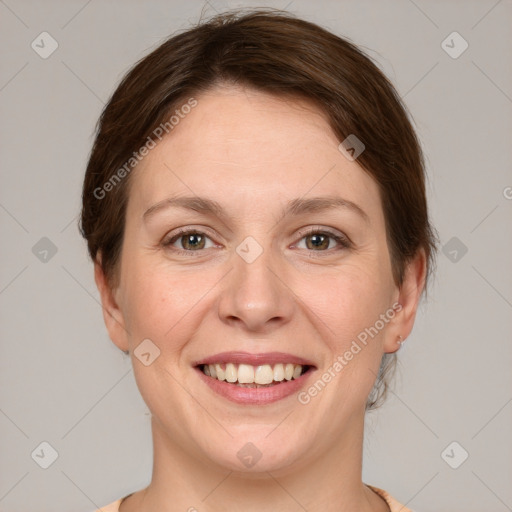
393 504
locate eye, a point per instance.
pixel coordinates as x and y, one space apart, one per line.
320 240
188 241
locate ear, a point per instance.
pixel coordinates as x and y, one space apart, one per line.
408 298
112 314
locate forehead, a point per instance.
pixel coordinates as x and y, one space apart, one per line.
246 144
248 128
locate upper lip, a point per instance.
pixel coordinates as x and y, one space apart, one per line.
270 358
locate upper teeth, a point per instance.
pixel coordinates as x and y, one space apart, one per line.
247 374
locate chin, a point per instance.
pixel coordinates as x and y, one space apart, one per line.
253 452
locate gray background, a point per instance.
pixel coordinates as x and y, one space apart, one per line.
64 382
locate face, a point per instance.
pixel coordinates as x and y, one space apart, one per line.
255 252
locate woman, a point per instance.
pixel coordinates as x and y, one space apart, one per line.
255 208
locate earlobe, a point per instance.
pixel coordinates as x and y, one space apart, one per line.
112 313
409 299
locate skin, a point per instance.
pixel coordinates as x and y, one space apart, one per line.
252 153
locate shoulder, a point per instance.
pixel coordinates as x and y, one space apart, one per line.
113 507
394 505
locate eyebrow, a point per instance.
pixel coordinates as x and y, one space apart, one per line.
295 207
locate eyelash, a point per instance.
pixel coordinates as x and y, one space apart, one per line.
343 241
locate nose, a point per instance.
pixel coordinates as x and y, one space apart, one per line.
256 297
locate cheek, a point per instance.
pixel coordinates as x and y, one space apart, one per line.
347 317
349 304
154 302
164 305
347 300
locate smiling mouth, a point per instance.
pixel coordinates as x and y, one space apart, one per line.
249 376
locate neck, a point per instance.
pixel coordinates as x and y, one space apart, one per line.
329 481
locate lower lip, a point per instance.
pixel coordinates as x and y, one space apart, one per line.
255 396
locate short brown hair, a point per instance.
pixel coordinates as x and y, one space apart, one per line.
274 52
